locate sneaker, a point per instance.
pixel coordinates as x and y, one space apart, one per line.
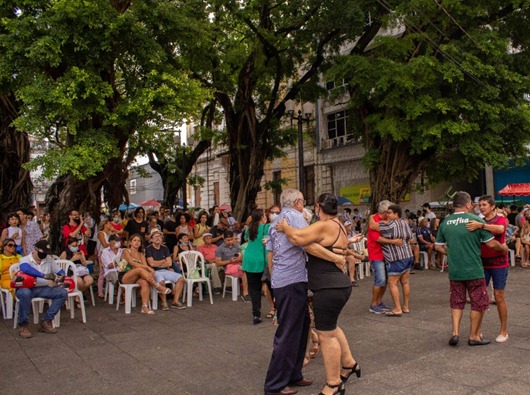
47 327
244 298
354 284
384 307
25 332
216 291
178 305
418 267
376 310
165 307
256 320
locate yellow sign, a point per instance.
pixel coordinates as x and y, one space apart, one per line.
358 194
361 194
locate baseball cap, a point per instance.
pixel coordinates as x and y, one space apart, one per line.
155 230
44 245
206 235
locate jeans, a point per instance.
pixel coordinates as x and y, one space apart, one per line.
379 269
56 294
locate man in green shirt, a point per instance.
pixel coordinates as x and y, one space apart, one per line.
465 266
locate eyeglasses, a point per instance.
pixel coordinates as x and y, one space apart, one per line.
10 245
275 212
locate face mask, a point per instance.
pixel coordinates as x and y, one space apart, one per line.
74 249
41 255
116 220
273 216
117 244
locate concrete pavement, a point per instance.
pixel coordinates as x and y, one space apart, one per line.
215 349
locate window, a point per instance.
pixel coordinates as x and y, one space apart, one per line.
334 84
276 178
197 197
216 193
309 174
337 124
132 187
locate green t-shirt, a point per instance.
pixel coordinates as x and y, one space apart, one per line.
463 246
255 257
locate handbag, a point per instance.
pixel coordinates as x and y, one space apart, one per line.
124 266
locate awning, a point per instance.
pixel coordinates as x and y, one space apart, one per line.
515 190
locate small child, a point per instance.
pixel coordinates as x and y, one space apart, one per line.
14 232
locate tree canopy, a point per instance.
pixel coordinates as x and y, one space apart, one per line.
442 92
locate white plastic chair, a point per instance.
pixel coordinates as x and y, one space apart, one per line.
7 303
424 257
235 286
36 303
192 260
109 291
67 266
512 257
154 295
130 296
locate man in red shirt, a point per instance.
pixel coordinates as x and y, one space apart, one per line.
377 261
208 251
495 263
76 229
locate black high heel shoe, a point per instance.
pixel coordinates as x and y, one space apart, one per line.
340 390
354 369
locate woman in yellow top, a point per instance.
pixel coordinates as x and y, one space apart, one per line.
200 229
7 258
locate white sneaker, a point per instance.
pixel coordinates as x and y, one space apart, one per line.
501 338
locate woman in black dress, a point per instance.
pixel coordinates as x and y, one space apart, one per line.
331 289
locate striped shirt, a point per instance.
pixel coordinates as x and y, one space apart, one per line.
397 229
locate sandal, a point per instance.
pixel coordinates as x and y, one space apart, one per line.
354 369
163 290
271 313
146 310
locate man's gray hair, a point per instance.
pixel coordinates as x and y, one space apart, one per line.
383 206
289 196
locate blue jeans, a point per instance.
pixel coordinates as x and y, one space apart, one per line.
56 294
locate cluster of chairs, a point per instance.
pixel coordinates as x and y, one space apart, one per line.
190 259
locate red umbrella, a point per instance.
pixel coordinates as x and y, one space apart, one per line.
225 207
150 203
515 190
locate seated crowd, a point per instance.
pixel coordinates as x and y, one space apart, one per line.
144 248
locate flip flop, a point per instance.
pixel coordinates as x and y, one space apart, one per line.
406 311
271 313
392 314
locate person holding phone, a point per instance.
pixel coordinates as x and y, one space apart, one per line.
228 255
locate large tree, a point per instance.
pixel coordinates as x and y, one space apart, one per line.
93 77
261 54
441 92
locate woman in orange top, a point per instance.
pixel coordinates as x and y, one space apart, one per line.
7 258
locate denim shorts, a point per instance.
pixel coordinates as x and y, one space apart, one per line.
498 276
379 269
397 268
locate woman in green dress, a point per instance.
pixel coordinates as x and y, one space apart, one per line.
255 259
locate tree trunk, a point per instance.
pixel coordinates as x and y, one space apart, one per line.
392 177
15 182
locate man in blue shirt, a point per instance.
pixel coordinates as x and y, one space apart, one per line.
40 265
289 281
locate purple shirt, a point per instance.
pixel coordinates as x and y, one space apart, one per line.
288 260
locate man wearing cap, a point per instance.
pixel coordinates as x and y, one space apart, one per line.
40 265
110 258
159 258
208 252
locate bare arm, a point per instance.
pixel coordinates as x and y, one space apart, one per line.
102 240
302 237
396 242
321 252
495 245
475 225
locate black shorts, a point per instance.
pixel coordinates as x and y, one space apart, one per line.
327 305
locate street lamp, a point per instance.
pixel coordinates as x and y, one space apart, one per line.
304 115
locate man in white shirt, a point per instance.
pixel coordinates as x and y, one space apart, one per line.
110 258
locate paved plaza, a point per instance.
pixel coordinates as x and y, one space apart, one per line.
214 349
